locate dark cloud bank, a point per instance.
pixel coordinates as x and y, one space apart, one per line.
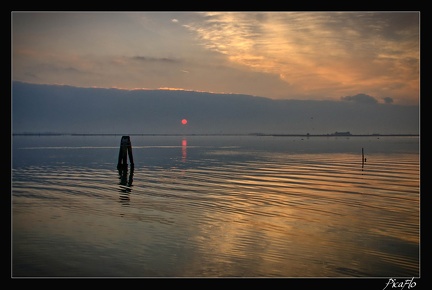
66 109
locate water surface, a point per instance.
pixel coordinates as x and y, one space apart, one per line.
216 206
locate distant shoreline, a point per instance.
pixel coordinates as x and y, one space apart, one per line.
215 134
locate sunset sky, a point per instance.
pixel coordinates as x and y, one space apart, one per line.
279 55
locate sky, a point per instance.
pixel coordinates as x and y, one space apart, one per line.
277 55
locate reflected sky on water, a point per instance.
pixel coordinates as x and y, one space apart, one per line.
245 206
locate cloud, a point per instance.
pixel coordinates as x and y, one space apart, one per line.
321 53
66 109
156 59
388 100
361 99
281 55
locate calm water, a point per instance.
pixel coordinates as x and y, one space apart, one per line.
232 206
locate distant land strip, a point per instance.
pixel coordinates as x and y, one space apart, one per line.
217 134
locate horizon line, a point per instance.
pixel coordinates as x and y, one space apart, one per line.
221 134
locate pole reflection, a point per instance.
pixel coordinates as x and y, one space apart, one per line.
125 183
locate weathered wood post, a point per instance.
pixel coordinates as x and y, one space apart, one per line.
363 159
125 150
129 149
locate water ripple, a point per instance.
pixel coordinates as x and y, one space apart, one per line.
280 214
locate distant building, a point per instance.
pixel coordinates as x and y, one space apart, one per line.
342 133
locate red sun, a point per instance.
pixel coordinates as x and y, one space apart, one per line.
184 121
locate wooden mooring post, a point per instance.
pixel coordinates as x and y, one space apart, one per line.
124 152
